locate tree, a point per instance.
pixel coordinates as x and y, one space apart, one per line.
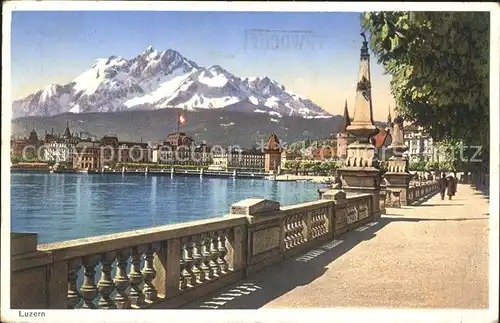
439 63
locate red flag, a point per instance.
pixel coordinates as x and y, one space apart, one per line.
182 119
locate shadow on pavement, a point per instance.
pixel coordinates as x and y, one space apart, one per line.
429 219
433 205
423 200
259 289
481 190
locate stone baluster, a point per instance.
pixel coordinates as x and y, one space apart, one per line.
299 229
207 256
214 250
188 264
315 224
73 296
106 285
89 289
287 233
198 260
221 260
182 278
122 282
136 278
149 273
294 233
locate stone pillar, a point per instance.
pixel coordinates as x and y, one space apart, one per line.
265 236
36 282
339 221
361 173
397 177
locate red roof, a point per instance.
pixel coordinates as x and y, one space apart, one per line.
381 139
273 142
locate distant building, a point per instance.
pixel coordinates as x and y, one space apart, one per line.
324 153
108 152
27 147
272 154
289 156
114 151
239 158
181 149
383 139
87 155
60 149
420 145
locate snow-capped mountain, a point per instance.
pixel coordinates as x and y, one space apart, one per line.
157 80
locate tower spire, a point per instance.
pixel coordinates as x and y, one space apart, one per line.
347 119
67 133
362 125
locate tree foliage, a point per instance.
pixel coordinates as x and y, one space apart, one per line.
439 63
315 166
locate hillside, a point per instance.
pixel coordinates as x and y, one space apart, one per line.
219 126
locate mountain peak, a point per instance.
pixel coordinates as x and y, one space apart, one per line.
149 50
167 79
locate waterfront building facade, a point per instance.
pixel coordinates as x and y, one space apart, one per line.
60 149
28 147
87 155
239 158
181 149
114 152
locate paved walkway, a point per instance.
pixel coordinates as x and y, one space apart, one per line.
434 255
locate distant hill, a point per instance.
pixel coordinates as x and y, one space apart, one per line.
215 126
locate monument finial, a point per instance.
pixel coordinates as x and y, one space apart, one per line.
364 36
362 126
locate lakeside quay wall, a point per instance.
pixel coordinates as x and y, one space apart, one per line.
169 266
161 172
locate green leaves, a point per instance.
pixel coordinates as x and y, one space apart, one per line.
439 62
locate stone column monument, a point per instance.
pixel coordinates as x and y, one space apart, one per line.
397 177
361 173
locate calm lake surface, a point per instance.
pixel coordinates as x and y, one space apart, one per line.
69 206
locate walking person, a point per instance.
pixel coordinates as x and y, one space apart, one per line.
443 184
451 186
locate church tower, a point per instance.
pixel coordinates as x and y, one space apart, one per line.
343 138
272 154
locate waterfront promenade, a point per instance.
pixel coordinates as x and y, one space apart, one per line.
432 255
334 252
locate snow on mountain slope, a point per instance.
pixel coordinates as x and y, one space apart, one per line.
156 80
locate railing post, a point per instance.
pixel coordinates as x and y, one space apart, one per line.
339 221
260 244
167 265
30 275
383 196
57 275
237 255
307 226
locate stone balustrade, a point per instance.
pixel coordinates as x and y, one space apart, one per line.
168 266
419 191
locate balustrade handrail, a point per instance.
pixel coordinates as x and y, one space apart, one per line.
358 197
305 206
65 250
178 262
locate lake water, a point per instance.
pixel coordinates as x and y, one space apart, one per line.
69 206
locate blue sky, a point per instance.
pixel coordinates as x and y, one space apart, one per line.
58 46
